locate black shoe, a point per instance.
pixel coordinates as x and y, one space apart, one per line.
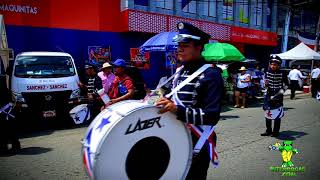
3 149
16 147
275 135
266 134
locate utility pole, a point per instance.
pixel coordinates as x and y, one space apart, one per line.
286 31
317 40
317 35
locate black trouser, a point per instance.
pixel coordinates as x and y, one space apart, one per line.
95 107
8 132
3 136
314 87
294 86
276 126
200 163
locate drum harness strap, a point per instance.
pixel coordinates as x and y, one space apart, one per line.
7 110
205 133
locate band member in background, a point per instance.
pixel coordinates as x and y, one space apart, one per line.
243 84
199 102
8 124
273 102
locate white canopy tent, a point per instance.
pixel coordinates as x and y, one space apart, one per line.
300 52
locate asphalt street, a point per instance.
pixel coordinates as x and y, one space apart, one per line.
243 153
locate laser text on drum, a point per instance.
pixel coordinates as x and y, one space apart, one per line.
142 125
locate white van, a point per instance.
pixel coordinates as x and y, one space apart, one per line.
44 82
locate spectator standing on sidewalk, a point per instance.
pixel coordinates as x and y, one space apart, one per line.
315 81
106 76
243 83
294 76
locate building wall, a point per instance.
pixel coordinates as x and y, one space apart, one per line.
73 25
254 14
93 15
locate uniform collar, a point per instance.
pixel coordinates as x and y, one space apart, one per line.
276 71
194 65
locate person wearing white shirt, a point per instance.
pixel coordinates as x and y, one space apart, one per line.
243 83
315 81
294 76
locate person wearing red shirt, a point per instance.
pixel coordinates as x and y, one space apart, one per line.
122 87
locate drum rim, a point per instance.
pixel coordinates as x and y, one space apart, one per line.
189 161
109 109
94 122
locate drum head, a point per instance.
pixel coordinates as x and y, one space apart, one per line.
141 144
274 113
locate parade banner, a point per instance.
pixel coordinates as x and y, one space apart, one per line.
139 59
99 54
171 60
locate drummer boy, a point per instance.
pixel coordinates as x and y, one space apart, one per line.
198 103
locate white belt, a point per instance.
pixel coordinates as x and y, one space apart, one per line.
4 108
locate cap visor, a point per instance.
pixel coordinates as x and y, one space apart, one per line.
185 38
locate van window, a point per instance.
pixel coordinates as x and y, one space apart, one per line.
44 66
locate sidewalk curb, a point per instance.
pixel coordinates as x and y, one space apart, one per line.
287 96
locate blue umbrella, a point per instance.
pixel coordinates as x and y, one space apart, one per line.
161 42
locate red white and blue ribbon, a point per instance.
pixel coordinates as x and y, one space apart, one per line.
86 155
206 137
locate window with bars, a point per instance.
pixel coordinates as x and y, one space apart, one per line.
227 13
244 11
257 13
164 4
208 8
190 7
141 2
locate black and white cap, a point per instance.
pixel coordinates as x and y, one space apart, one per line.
188 32
275 58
